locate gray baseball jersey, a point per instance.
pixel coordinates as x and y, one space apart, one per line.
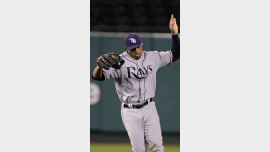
135 82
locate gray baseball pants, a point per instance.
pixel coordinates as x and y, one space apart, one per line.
143 124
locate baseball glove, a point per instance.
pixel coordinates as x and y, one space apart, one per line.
110 60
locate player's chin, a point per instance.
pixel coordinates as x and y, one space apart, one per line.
137 56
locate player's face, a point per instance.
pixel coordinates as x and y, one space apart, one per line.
135 53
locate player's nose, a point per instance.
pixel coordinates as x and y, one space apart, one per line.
136 50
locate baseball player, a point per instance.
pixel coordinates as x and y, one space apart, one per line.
134 74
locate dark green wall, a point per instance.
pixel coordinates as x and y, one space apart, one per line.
105 116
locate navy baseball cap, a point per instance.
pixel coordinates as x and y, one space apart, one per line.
132 41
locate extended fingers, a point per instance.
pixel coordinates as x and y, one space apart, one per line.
100 57
172 20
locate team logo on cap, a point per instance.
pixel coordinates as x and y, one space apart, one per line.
132 40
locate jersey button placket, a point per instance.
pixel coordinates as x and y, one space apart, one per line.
139 80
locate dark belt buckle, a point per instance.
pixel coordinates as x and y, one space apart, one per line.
141 105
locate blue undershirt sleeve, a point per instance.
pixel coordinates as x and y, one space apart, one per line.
175 47
101 79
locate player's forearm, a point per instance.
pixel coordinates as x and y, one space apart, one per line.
97 74
175 47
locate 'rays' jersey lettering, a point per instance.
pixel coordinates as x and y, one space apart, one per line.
135 82
141 72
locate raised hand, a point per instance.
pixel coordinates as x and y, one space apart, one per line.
173 26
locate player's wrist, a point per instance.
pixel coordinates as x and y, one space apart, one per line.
99 67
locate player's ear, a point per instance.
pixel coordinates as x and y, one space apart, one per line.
125 48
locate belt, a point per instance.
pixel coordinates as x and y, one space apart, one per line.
139 106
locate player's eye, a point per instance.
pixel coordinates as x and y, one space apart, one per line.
134 49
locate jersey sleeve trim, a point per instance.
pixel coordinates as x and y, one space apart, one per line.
171 58
104 75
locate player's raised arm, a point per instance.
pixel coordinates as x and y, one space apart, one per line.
97 73
175 39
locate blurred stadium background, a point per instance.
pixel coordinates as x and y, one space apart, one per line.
110 22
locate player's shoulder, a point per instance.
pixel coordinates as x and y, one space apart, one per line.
161 52
153 52
150 52
122 54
